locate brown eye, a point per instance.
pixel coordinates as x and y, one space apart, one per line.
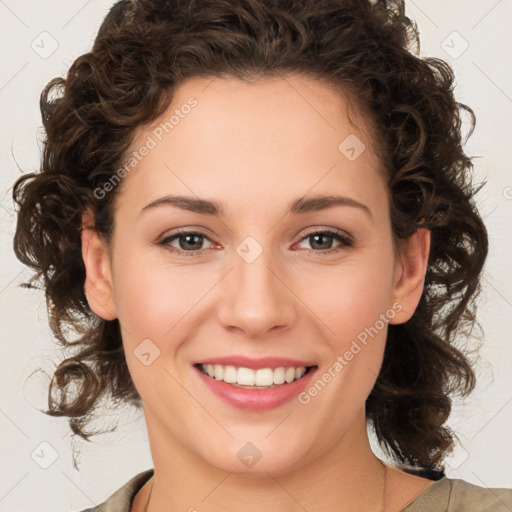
188 243
322 241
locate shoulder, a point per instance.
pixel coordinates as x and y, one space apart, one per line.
121 500
454 495
486 499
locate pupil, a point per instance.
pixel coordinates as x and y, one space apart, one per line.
326 245
187 237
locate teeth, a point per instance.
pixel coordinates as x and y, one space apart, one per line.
264 377
218 370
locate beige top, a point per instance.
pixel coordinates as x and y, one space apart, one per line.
445 495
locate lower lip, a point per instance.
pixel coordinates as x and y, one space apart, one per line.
256 399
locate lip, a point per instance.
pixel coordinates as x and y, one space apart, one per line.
255 364
256 399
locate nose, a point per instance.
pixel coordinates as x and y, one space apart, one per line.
256 298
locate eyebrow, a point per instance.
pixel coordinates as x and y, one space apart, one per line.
299 206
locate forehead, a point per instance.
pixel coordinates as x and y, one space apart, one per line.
270 136
298 104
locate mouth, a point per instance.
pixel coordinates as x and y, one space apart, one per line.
255 384
249 378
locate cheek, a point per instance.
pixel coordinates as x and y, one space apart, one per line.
152 302
353 296
355 306
150 299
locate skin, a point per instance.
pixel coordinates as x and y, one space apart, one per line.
255 147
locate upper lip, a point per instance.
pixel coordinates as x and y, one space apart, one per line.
255 364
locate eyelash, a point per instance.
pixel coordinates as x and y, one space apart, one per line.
345 240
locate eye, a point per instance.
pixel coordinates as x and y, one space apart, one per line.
189 243
321 241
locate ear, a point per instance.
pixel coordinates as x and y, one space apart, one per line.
409 275
98 286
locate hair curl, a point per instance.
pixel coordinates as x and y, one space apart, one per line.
143 51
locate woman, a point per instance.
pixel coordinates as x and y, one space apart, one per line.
262 343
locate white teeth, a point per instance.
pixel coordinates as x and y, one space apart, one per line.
246 376
219 372
263 377
230 374
279 376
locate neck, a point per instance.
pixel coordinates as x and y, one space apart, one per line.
344 477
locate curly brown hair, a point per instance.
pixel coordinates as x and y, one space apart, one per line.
142 53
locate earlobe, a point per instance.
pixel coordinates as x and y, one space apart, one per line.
98 285
410 274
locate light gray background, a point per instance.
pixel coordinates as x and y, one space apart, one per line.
29 32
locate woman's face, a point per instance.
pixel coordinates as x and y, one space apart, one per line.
273 271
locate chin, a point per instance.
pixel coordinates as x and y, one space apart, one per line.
257 457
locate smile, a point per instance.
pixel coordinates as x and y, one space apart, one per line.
263 378
256 390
